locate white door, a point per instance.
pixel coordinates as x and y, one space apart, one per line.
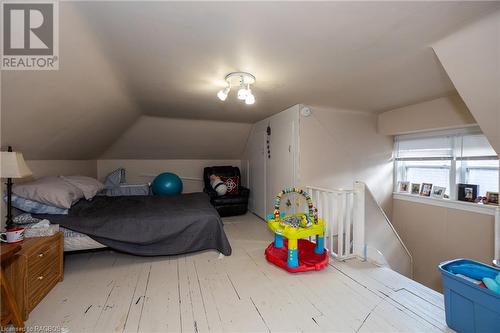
257 174
269 175
281 165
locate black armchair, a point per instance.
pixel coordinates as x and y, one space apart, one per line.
227 205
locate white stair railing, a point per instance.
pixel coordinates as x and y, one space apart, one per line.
496 255
336 208
356 226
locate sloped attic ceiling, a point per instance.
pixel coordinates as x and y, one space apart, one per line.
120 60
73 113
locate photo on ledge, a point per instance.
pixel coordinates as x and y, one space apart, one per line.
404 187
492 198
415 188
467 192
426 189
438 192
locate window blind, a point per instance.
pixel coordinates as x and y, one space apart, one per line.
437 147
467 146
475 146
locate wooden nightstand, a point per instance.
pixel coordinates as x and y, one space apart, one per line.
10 309
37 268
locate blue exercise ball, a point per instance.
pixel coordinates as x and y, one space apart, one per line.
167 183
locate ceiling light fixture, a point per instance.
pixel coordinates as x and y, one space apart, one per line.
242 80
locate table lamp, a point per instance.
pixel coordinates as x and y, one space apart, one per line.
13 166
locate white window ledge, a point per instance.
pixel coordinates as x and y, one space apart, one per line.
447 203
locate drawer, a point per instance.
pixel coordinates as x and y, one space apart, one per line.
39 279
42 253
40 284
47 255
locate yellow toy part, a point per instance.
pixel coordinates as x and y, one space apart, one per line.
291 232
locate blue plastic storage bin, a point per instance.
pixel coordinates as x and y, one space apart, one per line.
469 307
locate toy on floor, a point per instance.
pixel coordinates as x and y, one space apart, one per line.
289 250
473 271
489 277
493 285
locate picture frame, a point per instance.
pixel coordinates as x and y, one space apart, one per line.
467 192
415 188
403 187
426 189
438 192
492 198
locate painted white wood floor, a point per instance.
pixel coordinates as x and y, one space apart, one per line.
113 292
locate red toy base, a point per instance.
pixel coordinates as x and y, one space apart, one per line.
308 259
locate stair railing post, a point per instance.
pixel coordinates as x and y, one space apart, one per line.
359 240
496 258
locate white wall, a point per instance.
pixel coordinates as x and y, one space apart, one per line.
471 58
338 147
437 114
169 138
140 171
434 234
41 168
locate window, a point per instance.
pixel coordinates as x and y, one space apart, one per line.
434 172
446 159
425 159
477 163
482 173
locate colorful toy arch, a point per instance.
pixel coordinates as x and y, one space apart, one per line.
312 217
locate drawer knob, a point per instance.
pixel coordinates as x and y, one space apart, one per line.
40 277
40 255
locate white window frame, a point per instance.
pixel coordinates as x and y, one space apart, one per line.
402 171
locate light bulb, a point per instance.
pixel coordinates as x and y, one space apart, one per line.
223 94
242 93
250 99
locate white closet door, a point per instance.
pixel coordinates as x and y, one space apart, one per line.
281 166
257 174
268 176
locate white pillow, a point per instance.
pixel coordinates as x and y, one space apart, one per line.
52 191
88 185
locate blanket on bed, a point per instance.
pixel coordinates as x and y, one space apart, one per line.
149 225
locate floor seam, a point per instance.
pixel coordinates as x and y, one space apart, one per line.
260 315
131 301
144 301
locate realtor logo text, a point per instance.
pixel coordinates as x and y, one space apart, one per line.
30 36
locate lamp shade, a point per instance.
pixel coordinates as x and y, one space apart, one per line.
13 165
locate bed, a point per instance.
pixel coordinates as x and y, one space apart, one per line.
76 241
144 225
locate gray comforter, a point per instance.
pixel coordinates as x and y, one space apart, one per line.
149 225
